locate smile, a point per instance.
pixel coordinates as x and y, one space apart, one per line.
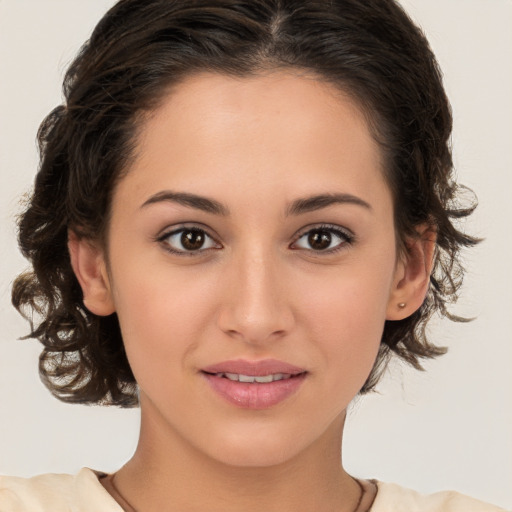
252 394
262 379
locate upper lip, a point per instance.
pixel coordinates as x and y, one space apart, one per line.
254 368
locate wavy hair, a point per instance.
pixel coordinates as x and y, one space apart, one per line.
369 49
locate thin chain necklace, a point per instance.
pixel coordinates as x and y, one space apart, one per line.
362 505
117 495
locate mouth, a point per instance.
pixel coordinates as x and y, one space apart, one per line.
256 384
262 368
260 379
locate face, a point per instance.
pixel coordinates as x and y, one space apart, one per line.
252 239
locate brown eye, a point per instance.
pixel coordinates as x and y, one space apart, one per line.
192 240
319 240
324 238
188 241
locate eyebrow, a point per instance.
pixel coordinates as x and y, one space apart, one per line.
297 207
186 199
313 203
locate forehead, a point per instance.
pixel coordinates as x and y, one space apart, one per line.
286 129
212 104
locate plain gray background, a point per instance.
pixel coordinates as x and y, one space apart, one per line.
450 427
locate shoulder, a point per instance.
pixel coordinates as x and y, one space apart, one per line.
55 493
394 498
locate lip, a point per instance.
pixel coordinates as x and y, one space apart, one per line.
254 395
252 368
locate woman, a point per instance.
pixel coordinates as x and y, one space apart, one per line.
245 209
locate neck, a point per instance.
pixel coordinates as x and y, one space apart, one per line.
167 474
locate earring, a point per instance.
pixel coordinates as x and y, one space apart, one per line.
402 305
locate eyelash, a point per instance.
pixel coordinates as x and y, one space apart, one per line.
346 238
164 240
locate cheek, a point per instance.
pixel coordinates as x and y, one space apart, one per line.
162 317
349 301
346 317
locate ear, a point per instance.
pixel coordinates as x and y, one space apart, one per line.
412 275
88 262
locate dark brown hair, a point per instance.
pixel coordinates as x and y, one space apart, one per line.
369 49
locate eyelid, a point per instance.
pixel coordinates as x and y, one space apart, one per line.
174 230
340 231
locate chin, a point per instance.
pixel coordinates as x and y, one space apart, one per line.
255 458
254 451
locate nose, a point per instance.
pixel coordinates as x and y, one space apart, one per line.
256 307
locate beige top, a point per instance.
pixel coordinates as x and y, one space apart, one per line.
84 493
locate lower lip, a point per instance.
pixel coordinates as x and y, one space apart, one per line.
255 395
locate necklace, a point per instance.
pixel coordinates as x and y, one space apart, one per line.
112 489
366 498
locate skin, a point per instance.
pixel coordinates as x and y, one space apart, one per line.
256 290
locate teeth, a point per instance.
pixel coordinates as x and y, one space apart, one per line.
267 378
246 378
255 378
